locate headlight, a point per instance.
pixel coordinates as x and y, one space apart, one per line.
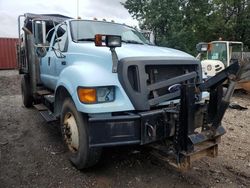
209 67
96 95
105 94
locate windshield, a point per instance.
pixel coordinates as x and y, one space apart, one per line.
235 50
218 51
83 30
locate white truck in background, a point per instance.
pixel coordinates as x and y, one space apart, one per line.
215 56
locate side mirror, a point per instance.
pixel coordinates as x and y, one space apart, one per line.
111 41
41 51
39 30
149 35
202 47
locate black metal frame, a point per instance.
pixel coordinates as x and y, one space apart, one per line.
185 138
140 98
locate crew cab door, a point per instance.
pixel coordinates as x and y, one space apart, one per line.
46 65
60 46
52 63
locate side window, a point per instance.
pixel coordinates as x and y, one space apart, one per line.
49 35
61 38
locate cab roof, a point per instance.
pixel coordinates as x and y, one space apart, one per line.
54 17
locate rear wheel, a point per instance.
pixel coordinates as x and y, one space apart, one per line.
26 92
75 134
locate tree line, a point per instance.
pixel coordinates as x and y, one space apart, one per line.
181 24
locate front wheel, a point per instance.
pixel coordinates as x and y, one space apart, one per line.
74 126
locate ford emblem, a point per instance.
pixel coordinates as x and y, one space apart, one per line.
174 88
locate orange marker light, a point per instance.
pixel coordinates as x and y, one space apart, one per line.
87 95
98 40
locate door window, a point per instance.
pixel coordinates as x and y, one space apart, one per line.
61 38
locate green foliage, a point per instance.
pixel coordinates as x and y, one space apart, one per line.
182 24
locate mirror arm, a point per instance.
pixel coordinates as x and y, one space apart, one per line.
41 46
61 54
114 60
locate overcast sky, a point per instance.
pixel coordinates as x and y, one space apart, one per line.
88 9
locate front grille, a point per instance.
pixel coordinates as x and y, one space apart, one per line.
147 83
160 73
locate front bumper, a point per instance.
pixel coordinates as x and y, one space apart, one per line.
148 127
140 128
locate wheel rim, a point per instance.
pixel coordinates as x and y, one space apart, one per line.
71 134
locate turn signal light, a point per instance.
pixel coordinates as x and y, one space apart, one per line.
87 95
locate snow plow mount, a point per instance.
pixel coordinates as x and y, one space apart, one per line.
190 144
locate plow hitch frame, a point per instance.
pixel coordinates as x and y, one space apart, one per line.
192 142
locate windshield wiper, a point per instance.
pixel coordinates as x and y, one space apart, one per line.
125 41
86 39
132 42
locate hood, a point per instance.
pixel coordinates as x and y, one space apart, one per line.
131 50
135 50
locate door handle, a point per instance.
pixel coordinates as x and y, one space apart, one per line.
63 62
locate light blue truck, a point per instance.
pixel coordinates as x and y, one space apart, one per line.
109 86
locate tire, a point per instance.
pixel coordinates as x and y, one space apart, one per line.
26 92
74 126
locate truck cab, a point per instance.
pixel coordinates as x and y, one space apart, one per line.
107 86
219 54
